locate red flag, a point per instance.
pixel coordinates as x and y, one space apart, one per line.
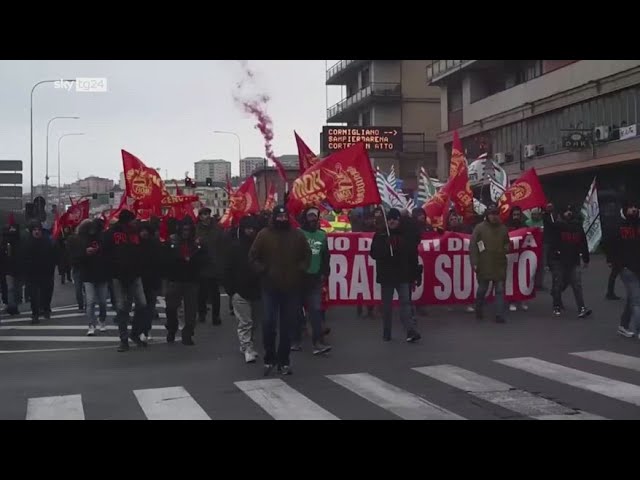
242 202
526 193
72 217
460 189
270 203
306 158
143 184
437 207
345 179
178 189
229 186
56 230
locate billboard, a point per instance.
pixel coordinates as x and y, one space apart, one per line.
376 139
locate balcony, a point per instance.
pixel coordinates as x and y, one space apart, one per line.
338 73
439 69
344 111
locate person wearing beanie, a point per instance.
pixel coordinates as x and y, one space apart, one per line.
624 252
317 273
184 256
396 254
243 285
281 255
488 250
211 236
10 262
123 251
93 266
567 248
39 259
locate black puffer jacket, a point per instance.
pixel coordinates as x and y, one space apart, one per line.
239 276
10 251
183 259
623 247
568 244
402 266
151 259
39 258
123 250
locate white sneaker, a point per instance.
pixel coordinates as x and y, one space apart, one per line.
470 309
92 331
513 308
103 326
524 307
143 337
625 332
250 356
149 338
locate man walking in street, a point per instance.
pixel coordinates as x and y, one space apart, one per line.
537 221
10 264
318 271
151 272
89 256
122 248
624 251
39 258
396 254
568 246
516 221
184 257
212 238
488 251
244 283
281 255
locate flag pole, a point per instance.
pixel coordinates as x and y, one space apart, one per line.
386 224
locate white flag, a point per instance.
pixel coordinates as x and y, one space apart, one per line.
591 215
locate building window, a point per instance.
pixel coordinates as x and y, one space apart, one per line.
366 118
365 76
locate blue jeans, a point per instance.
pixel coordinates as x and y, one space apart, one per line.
632 285
311 298
483 288
77 285
96 295
279 307
406 313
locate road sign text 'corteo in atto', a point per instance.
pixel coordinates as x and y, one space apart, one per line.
380 139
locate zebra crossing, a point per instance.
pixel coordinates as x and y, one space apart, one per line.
289 399
66 326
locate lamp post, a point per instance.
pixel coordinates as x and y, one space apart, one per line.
59 140
31 124
46 178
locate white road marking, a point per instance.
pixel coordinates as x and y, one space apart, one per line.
626 392
110 315
503 394
65 339
611 358
68 407
53 350
173 403
399 402
283 402
64 327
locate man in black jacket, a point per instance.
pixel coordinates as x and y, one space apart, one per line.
211 236
516 221
10 262
184 255
89 257
151 272
122 248
568 245
396 256
244 282
39 258
624 252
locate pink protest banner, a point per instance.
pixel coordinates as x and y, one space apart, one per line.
448 278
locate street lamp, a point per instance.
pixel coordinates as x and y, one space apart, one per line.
46 178
31 116
235 135
59 140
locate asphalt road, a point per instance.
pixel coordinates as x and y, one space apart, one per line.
528 368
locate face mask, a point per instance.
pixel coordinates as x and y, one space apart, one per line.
281 224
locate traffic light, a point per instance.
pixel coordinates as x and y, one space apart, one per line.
188 182
94 196
209 182
111 195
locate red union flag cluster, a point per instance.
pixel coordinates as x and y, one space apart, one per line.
242 202
526 193
75 214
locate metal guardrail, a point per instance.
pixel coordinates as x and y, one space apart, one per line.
438 67
338 67
375 89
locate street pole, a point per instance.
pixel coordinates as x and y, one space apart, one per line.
46 178
239 142
59 140
31 126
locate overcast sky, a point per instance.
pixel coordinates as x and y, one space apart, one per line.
164 112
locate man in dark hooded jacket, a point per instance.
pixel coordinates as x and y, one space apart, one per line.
396 254
211 236
281 254
151 271
39 257
93 265
122 248
183 257
10 263
244 282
